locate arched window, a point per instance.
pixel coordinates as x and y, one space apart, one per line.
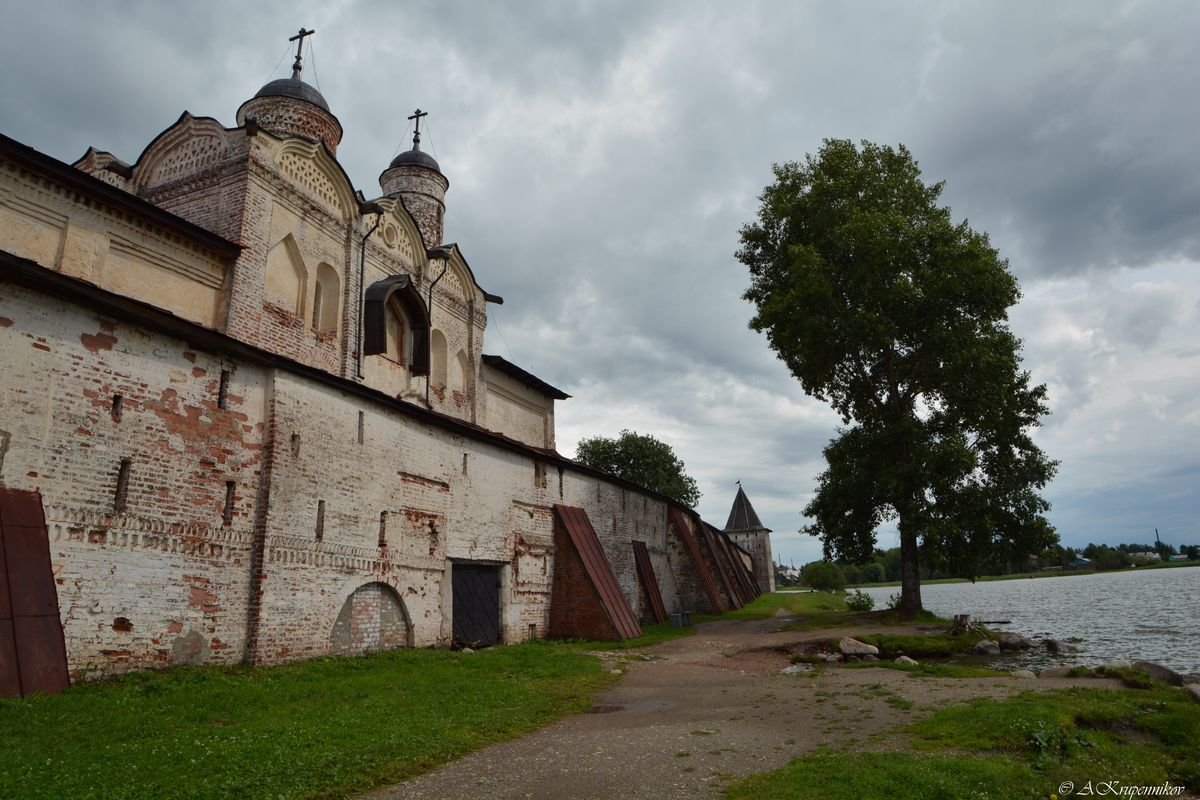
326 298
399 333
388 303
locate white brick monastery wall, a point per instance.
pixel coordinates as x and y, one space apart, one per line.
166 580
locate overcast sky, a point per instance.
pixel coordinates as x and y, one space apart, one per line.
603 155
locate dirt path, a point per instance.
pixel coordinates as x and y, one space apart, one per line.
692 714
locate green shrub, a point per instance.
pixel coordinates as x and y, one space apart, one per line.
824 576
860 601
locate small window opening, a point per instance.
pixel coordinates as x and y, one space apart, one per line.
223 390
230 491
320 520
362 425
464 463
122 492
116 407
383 529
296 444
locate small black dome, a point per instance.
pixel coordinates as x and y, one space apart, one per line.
295 88
415 158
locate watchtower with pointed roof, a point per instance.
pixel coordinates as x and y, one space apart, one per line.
747 531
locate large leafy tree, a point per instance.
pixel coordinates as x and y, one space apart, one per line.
642 459
898 318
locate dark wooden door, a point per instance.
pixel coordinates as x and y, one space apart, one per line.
476 605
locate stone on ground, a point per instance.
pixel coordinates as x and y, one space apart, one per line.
1159 672
853 647
986 647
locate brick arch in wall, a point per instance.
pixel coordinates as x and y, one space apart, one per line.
372 618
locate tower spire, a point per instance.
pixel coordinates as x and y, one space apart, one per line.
416 115
299 40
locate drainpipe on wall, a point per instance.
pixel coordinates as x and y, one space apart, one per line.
377 210
429 304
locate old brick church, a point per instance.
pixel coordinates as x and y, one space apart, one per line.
258 413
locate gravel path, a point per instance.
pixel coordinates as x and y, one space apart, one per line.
693 714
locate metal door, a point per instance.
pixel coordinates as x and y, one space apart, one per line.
476 605
33 657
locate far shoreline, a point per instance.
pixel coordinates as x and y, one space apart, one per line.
1055 573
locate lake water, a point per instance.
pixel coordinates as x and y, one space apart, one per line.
1151 614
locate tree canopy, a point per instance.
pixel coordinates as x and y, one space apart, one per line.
642 459
897 317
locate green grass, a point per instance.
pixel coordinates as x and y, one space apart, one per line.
927 670
766 605
317 729
651 634
821 620
936 645
1020 747
1132 678
833 776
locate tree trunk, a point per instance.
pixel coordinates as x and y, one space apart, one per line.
910 571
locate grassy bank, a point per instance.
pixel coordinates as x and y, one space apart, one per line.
317 729
1022 747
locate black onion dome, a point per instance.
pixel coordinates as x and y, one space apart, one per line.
415 158
294 88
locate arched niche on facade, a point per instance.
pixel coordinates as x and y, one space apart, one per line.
286 276
460 368
437 359
372 618
393 308
327 295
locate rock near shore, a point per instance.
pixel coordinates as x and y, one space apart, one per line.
853 647
1159 672
986 647
1013 641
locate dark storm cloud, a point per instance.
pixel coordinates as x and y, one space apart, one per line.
602 157
1059 129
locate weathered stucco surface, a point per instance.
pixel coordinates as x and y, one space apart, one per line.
242 485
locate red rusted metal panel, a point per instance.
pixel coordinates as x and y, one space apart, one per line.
10 673
5 605
599 570
33 654
30 581
693 549
727 558
740 571
40 654
645 570
721 560
19 508
737 569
